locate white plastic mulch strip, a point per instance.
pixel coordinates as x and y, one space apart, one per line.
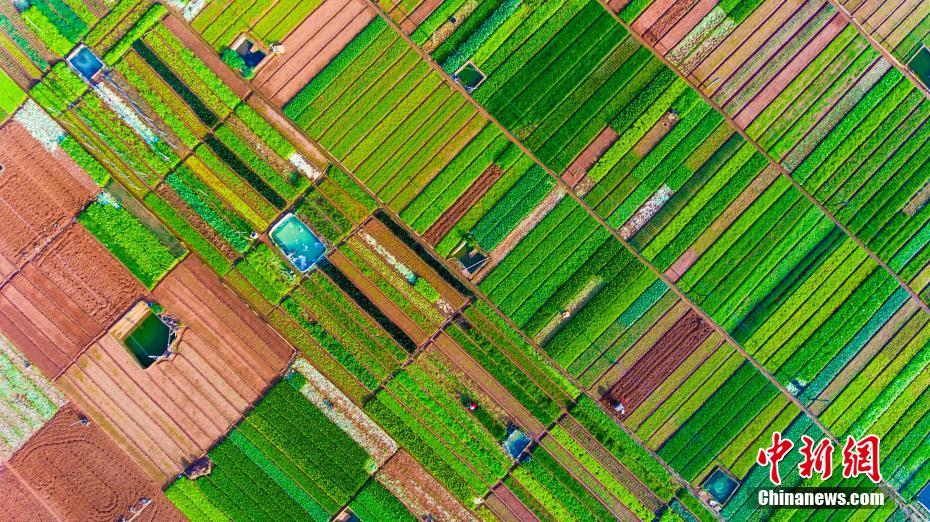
27 399
345 414
40 125
189 10
305 167
403 269
646 212
126 113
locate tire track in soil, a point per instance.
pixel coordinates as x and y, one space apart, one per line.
77 473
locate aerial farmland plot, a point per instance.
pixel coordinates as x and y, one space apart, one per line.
517 260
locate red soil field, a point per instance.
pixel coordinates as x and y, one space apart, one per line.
685 25
617 5
171 413
40 193
681 265
797 65
65 298
75 472
507 506
412 20
516 235
667 21
589 156
17 502
418 490
652 14
732 51
653 136
454 213
659 362
310 47
754 53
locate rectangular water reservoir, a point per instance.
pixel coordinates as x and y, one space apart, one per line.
720 485
469 76
920 65
149 339
515 443
298 243
86 63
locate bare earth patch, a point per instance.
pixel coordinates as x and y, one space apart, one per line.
76 472
406 479
311 46
170 414
64 299
40 193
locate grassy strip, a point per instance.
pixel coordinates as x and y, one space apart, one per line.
129 241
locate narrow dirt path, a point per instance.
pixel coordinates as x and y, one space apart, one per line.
413 19
488 384
192 41
385 304
587 479
290 127
563 186
885 485
508 501
616 468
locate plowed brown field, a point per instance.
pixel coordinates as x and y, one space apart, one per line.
660 361
454 213
65 298
40 193
69 471
310 47
18 503
171 413
418 490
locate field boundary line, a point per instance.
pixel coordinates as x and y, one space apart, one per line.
603 223
784 172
